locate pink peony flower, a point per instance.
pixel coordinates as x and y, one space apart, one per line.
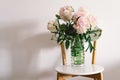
81 25
80 13
81 20
83 11
66 13
92 20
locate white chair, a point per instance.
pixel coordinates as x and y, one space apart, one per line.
91 71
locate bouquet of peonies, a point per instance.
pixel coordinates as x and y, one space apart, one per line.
75 28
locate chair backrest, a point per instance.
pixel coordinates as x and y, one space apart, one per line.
64 60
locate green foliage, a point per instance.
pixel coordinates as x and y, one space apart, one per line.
67 44
67 34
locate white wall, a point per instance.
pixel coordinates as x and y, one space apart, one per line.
26 51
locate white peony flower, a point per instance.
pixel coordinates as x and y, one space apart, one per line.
52 26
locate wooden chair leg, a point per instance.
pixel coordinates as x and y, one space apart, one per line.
59 76
100 76
63 76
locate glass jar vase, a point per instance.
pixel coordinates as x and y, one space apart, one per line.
77 59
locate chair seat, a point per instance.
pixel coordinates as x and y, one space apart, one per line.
80 70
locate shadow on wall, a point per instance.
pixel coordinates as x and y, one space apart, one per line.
113 73
24 46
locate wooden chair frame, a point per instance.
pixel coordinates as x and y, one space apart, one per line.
61 76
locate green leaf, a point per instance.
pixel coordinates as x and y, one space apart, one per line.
58 40
90 46
60 37
87 48
67 43
84 35
58 17
63 27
